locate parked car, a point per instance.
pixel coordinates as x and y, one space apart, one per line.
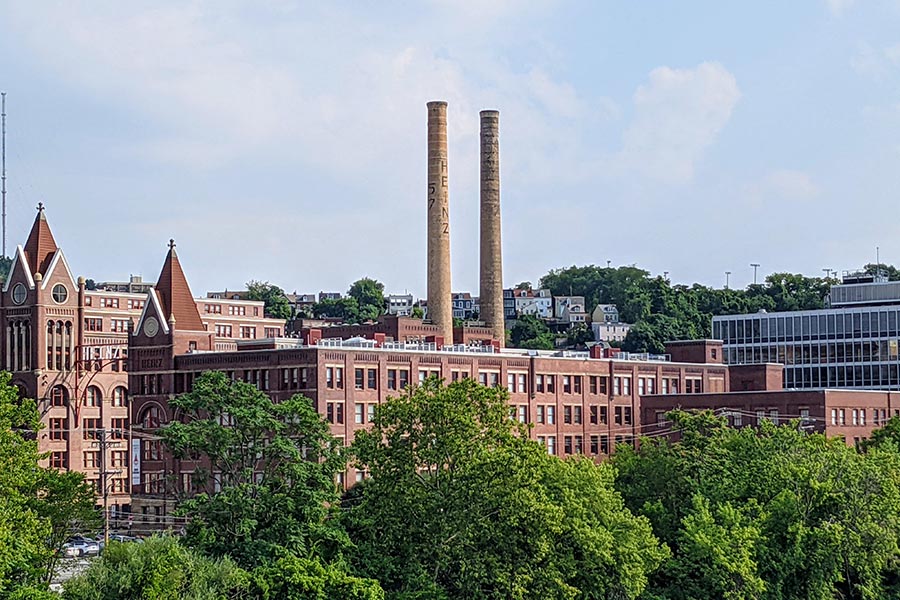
81 547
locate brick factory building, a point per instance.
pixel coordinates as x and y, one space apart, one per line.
67 347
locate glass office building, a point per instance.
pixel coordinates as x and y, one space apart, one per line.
851 344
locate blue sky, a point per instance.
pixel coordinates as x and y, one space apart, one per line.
285 141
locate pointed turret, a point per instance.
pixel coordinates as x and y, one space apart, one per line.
40 247
175 294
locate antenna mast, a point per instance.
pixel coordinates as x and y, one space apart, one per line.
3 159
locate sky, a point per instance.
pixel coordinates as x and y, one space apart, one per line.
285 141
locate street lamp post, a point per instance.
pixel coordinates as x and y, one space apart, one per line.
755 267
727 275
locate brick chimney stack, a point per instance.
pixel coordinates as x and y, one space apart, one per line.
440 302
491 272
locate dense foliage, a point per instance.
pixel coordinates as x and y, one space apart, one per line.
267 475
460 504
38 507
661 311
364 302
276 302
773 513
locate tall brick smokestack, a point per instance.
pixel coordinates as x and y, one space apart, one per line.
491 272
440 302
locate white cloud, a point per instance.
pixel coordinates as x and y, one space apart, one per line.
779 187
678 114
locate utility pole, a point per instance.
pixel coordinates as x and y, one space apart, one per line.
3 174
103 442
727 275
755 267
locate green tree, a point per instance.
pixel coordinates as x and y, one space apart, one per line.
417 312
528 331
369 296
579 335
893 274
772 512
5 265
523 285
67 502
460 504
346 309
277 305
90 284
158 569
275 465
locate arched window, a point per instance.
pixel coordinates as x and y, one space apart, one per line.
93 396
120 396
151 418
59 396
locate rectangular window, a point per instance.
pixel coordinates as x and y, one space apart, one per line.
59 460
618 415
92 324
373 379
511 383
626 386
593 416
482 378
539 383
834 416
248 332
595 444
617 386
392 379
665 386
551 445
224 331
855 415
339 378
540 413
119 325
370 412
521 378
551 384
359 378
604 444
579 445
738 420
567 444
92 459
91 428
760 416
551 415
567 384
627 415
592 384
642 385
523 413
119 458
404 378
841 417
773 415
862 416
577 415
334 412
119 429
567 414
329 377
576 381
604 415
359 412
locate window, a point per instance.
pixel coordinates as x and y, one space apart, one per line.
593 414
334 412
510 382
91 428
567 414
841 417
773 415
92 459
604 444
392 379
522 413
119 458
862 416
359 376
540 413
521 378
551 445
482 377
567 444
119 325
592 384
117 486
551 415
359 411
339 378
617 386
804 416
665 386
272 332
404 378
567 384
59 460
92 396
539 383
223 330
109 303
135 304
59 396
576 380
855 414
834 416
604 415
595 444
248 332
151 417
738 420
579 445
370 412
329 377
618 415
551 384
577 415
119 429
91 324
120 396
373 379
760 416
60 293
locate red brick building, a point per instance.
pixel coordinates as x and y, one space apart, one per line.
577 403
67 347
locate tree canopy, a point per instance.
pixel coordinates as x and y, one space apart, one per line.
369 296
277 305
460 504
